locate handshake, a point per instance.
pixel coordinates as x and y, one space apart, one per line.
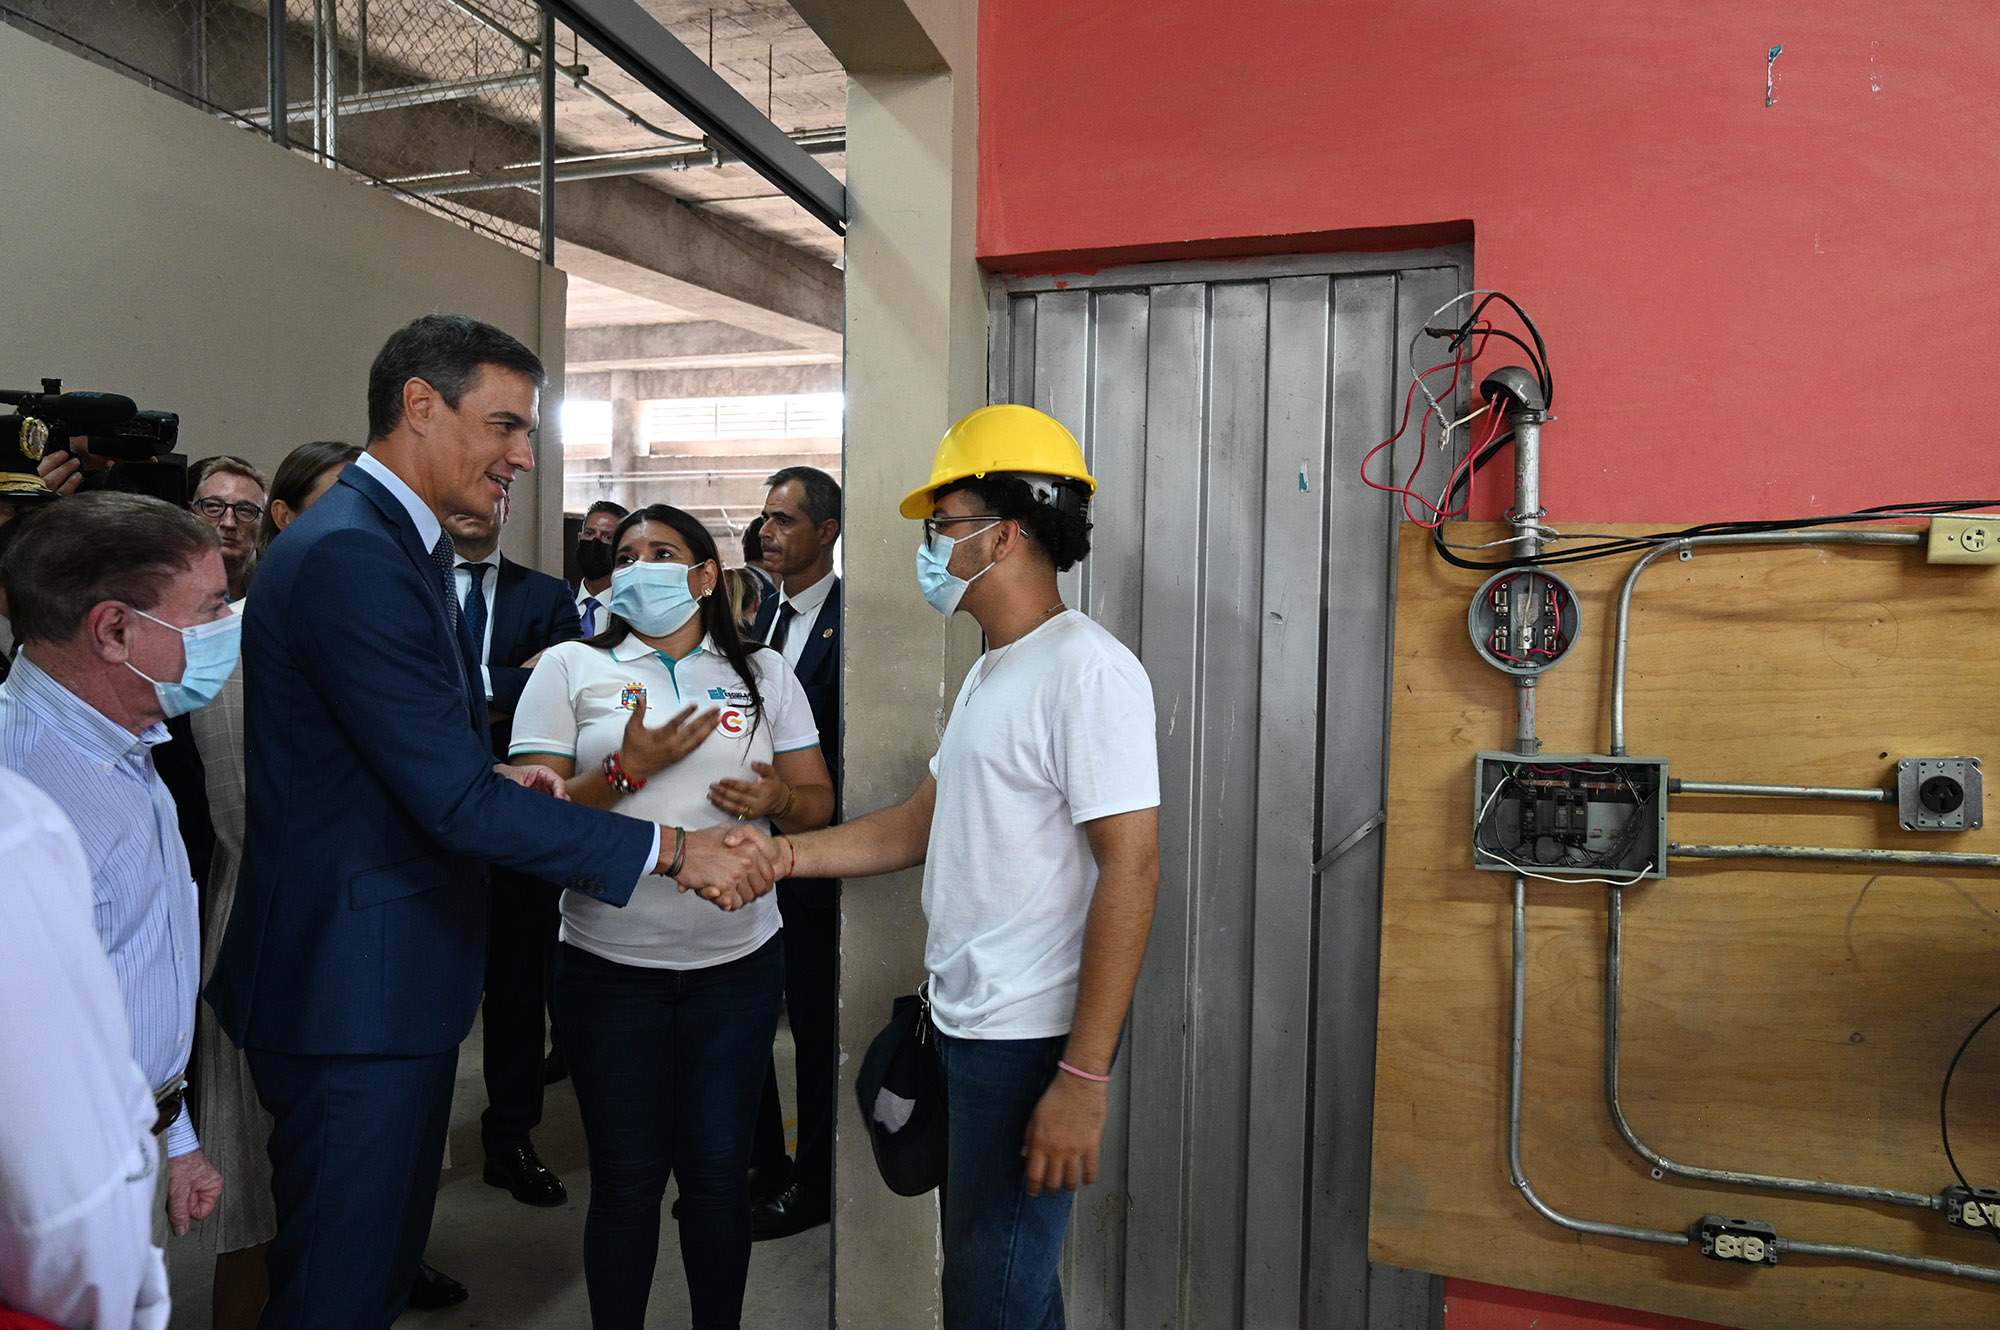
728 866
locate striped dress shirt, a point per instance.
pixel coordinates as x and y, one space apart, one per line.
102 775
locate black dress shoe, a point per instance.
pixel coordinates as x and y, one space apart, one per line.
521 1171
793 1210
433 1290
555 1067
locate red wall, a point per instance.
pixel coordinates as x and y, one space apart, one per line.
1752 311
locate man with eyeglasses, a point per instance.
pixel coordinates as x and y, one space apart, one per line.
228 494
1038 830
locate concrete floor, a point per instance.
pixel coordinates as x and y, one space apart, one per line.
524 1265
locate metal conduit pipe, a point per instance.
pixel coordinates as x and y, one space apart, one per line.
1526 519
1863 794
596 166
393 99
494 25
1835 854
1614 933
1516 1173
1623 639
1664 1237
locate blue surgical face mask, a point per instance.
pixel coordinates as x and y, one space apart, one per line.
934 577
212 650
653 597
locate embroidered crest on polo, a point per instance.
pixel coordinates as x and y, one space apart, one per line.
631 695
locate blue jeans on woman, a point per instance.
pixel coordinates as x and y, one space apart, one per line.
668 1066
1001 1245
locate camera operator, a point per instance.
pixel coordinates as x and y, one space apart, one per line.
122 608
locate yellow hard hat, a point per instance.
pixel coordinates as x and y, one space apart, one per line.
1005 440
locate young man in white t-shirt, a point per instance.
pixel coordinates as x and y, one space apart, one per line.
1038 829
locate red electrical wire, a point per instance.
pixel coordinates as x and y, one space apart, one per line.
1467 353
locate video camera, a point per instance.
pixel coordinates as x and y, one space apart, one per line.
116 428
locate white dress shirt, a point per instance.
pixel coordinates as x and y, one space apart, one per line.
463 573
428 531
807 604
78 1168
603 599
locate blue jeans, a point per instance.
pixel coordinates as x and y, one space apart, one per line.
1001 1245
668 1066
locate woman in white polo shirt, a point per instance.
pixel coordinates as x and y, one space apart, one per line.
668 1006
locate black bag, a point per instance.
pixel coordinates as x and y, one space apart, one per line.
901 1089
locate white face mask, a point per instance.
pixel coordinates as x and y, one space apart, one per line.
653 597
934 575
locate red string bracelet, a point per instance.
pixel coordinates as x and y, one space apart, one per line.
795 853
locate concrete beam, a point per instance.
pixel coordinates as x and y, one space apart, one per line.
668 346
620 232
758 381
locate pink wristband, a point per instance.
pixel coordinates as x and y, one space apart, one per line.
1078 1071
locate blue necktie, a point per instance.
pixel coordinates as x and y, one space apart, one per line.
475 608
446 559
590 616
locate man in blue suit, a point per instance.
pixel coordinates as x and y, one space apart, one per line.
355 955
801 523
514 613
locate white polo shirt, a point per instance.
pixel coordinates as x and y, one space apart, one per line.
576 705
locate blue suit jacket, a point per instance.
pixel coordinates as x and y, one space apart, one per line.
819 675
360 918
818 671
531 611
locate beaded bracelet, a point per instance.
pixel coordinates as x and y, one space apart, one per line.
1088 1076
618 778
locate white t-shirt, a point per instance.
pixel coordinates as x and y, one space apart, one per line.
576 704
1050 732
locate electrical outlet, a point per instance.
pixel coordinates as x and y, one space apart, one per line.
1964 540
1743 1241
1972 1207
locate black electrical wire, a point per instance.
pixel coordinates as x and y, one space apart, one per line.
1944 1101
1538 355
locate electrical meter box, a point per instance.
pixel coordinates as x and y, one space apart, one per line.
1570 815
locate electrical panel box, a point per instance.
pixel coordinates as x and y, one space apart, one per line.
1940 794
1523 620
1570 815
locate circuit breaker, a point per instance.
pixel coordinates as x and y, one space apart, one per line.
1578 815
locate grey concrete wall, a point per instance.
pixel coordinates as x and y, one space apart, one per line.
915 361
152 251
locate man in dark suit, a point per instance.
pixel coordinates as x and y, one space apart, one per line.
800 525
356 952
513 613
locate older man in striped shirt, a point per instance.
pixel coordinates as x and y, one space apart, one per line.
122 606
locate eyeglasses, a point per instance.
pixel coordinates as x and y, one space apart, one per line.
932 525
213 508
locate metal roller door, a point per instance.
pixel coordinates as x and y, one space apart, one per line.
1224 410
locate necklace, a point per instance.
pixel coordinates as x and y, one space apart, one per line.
991 661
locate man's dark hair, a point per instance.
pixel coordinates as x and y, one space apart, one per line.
1062 537
753 540
75 555
822 492
617 510
223 464
447 351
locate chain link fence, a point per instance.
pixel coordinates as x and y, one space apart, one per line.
398 92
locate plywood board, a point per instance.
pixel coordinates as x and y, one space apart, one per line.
1779 1018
